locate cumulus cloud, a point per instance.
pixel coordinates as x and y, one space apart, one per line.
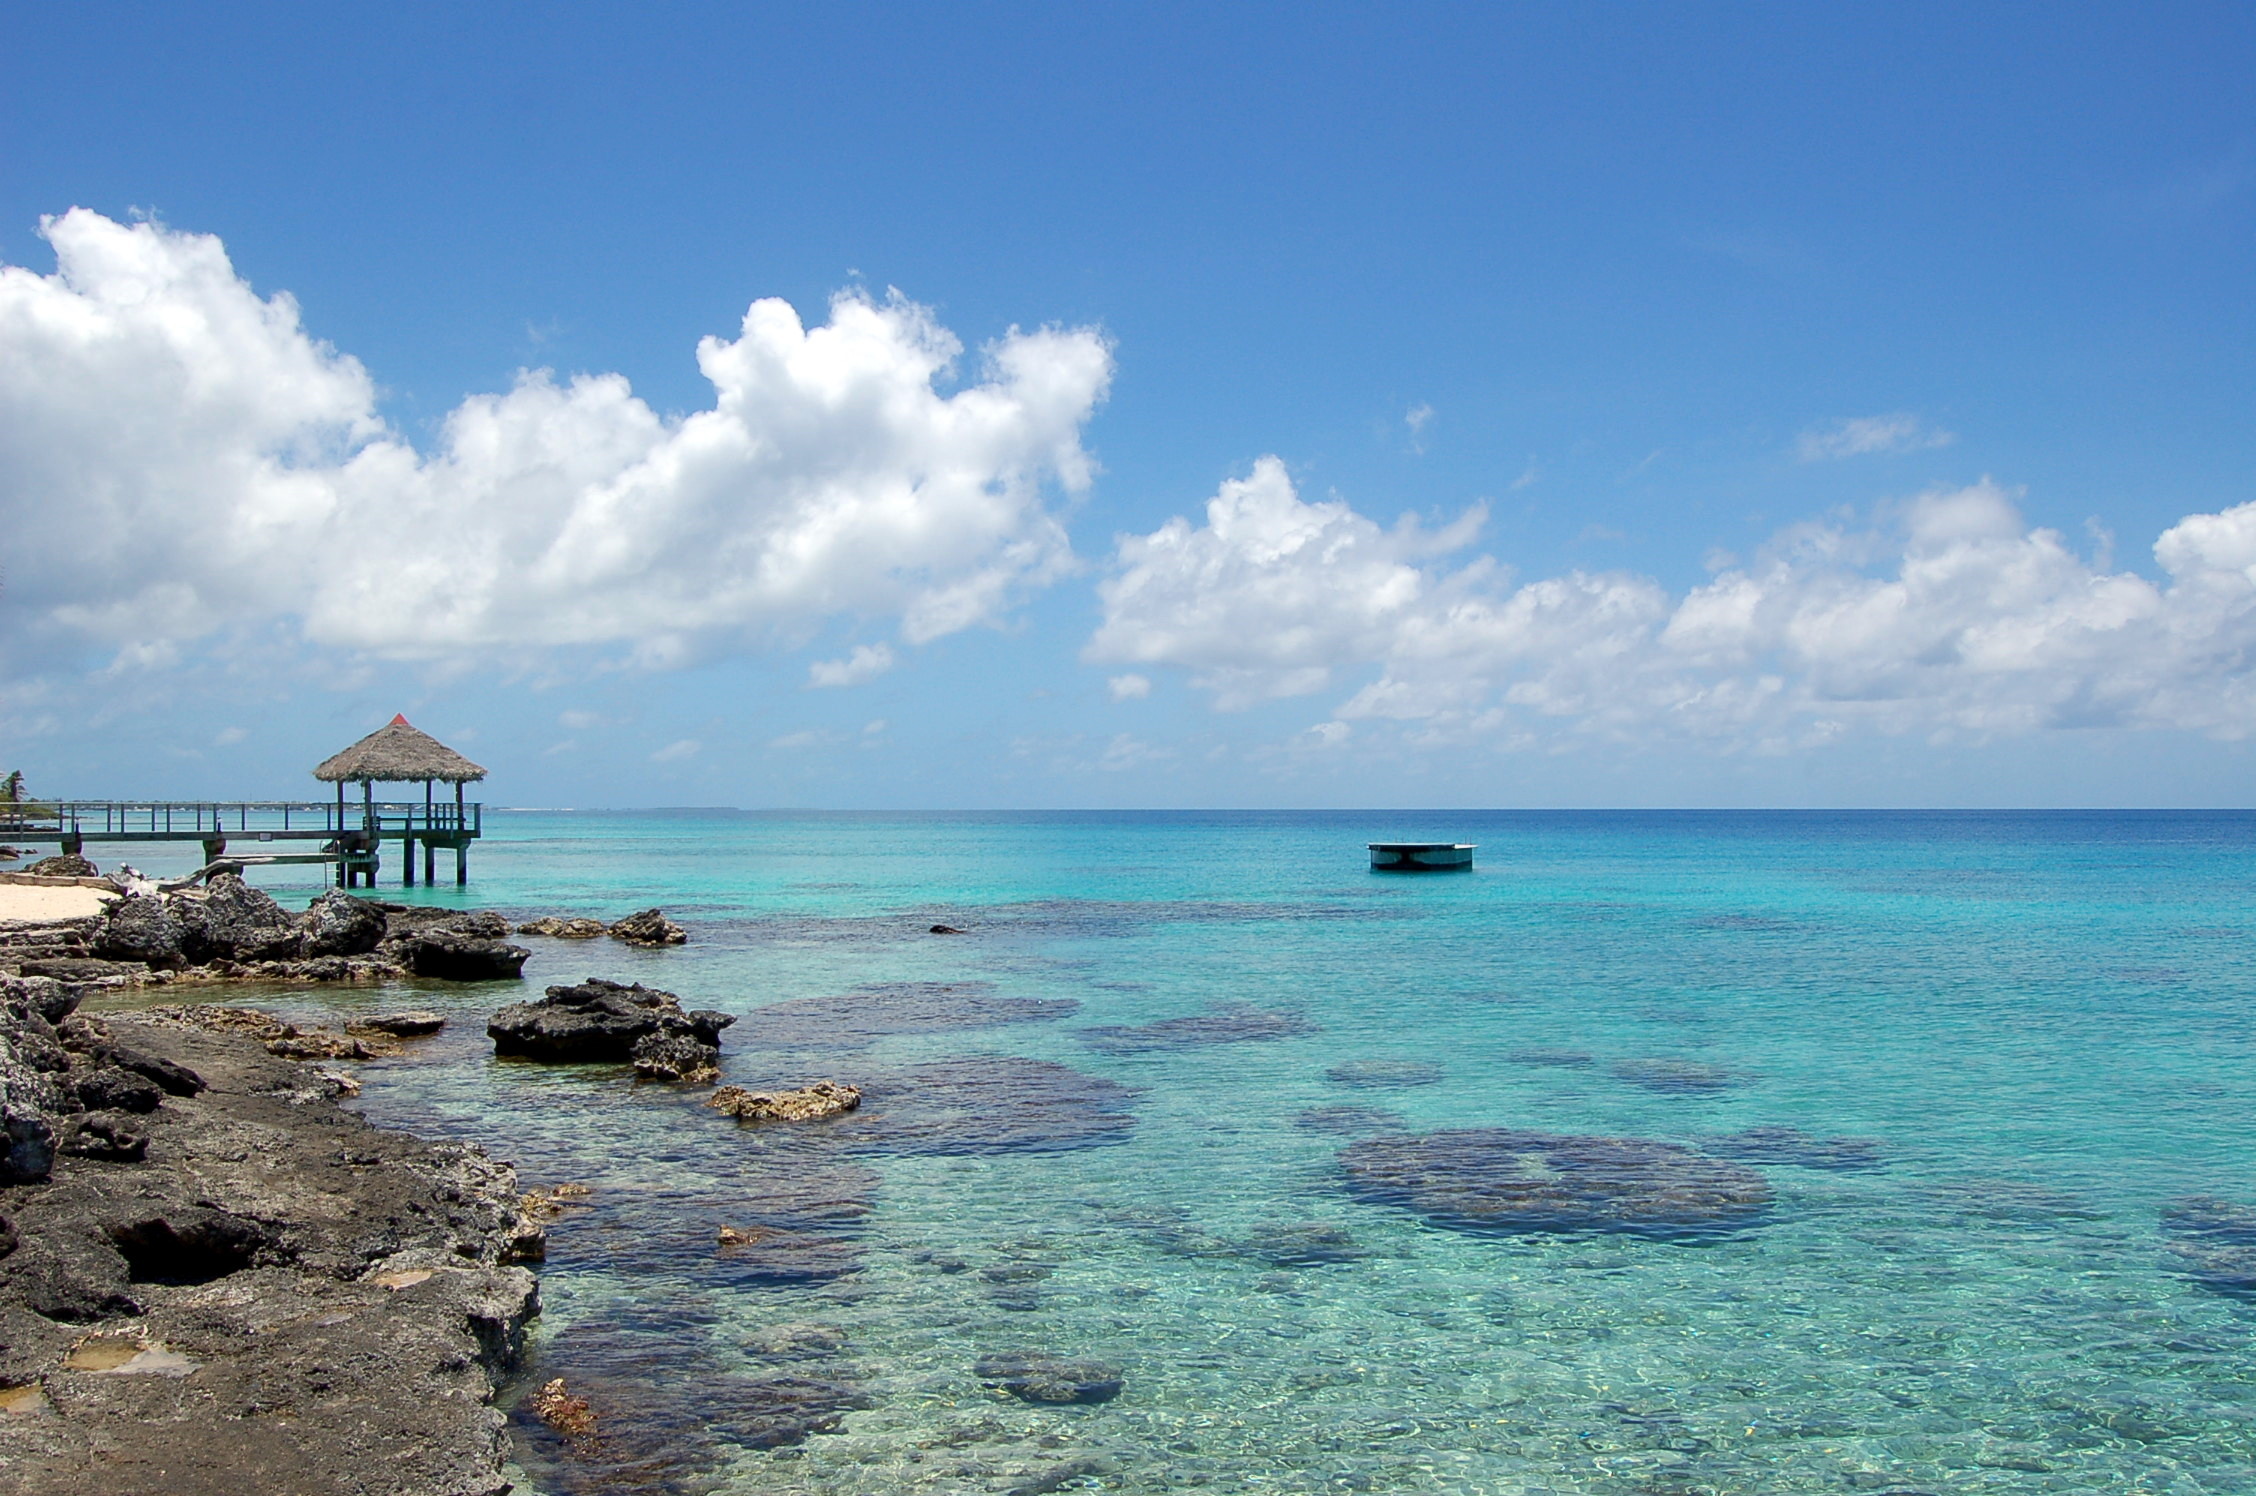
1860 436
867 662
678 750
1952 614
179 456
1129 687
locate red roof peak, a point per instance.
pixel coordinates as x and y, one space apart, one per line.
399 719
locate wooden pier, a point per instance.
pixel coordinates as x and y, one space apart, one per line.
346 834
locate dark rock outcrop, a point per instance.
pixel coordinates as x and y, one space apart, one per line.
599 1020
1500 1179
140 929
676 1057
648 928
228 920
320 1306
455 957
1039 1378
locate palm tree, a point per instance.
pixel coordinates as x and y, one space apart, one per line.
12 787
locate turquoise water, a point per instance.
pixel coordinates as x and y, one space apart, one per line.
2038 1024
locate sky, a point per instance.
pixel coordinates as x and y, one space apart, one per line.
1016 406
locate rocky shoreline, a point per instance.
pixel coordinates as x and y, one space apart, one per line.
215 1281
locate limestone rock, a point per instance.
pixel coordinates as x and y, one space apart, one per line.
337 924
64 865
822 1099
676 1057
557 927
414 1023
232 921
456 957
140 929
598 1020
648 928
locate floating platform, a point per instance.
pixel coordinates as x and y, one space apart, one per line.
1422 857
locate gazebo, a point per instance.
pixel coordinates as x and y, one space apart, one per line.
398 753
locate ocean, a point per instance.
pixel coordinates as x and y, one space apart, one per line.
1964 1072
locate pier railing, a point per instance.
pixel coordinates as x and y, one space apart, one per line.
258 820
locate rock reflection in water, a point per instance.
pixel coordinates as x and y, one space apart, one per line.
860 1018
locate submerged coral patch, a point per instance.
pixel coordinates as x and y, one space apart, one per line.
1501 1179
1224 1023
1676 1077
1790 1145
986 1104
1379 1075
2213 1242
1348 1120
863 1016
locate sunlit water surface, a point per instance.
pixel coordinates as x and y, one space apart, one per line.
2041 1023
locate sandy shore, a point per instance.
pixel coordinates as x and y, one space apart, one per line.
24 901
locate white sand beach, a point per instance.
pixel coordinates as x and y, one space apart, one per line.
29 902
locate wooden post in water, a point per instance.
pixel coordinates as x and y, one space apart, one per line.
430 851
461 847
344 868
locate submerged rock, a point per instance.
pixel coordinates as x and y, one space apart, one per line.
822 1099
1374 1075
867 1014
1225 1023
1676 1077
1501 1179
1035 1377
2213 1241
1562 1059
556 927
648 928
1348 1120
1790 1145
599 1020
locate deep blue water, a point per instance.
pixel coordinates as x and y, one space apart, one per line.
2036 1026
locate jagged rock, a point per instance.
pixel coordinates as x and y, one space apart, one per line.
415 1023
1500 1179
81 971
945 930
109 1135
64 865
598 1020
50 999
649 928
174 1079
558 928
1033 1377
822 1099
456 957
140 929
107 1088
232 921
676 1057
320 1046
404 920
337 924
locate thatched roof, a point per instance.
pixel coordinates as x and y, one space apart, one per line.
397 753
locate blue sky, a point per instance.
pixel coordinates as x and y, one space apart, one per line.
1820 381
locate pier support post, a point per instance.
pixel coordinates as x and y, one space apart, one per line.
213 846
461 865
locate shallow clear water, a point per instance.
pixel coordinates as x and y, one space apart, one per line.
2042 1022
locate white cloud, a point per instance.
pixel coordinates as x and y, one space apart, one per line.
1271 594
1861 436
867 662
678 750
1129 687
179 456
1418 418
1954 616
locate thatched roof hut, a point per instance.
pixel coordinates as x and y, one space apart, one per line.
398 754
